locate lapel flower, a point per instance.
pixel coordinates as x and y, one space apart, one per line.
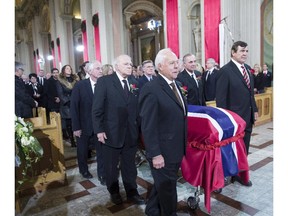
133 88
184 90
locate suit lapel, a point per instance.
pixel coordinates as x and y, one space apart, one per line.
190 79
88 88
169 91
239 74
118 86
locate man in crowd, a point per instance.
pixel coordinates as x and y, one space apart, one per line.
81 116
163 124
114 116
188 78
53 101
23 102
268 77
235 91
148 72
209 80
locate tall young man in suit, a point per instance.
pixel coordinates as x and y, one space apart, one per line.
114 116
81 117
188 78
235 90
163 125
53 102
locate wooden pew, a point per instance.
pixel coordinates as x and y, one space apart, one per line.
50 171
264 103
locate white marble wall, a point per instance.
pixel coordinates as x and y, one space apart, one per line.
243 20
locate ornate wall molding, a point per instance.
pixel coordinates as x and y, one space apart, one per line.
142 5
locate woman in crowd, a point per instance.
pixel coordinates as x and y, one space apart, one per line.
259 82
67 79
107 69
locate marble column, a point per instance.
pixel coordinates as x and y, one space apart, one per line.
86 14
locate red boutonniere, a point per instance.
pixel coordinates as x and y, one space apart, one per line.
184 90
252 71
133 88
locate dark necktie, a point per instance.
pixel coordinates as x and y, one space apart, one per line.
94 88
176 93
245 76
208 75
194 78
126 90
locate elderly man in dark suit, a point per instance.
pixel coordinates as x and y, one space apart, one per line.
235 90
188 78
81 116
23 102
209 80
114 116
163 125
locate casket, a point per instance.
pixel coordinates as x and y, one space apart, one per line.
215 148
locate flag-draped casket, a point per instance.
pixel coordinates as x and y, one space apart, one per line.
215 149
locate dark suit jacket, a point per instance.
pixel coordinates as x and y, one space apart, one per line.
259 82
81 107
195 95
23 101
268 79
163 121
40 91
113 113
52 93
44 99
209 85
232 92
142 81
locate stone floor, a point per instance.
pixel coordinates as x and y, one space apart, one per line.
89 197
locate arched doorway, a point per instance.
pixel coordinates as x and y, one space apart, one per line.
145 22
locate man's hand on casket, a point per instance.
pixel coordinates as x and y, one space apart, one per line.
158 162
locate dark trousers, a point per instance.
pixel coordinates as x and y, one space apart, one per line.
126 156
82 152
163 196
100 158
247 136
84 143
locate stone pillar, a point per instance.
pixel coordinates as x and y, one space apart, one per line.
86 14
66 42
23 52
117 21
106 25
45 45
53 29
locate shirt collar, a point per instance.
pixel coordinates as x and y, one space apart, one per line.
92 82
238 64
167 80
